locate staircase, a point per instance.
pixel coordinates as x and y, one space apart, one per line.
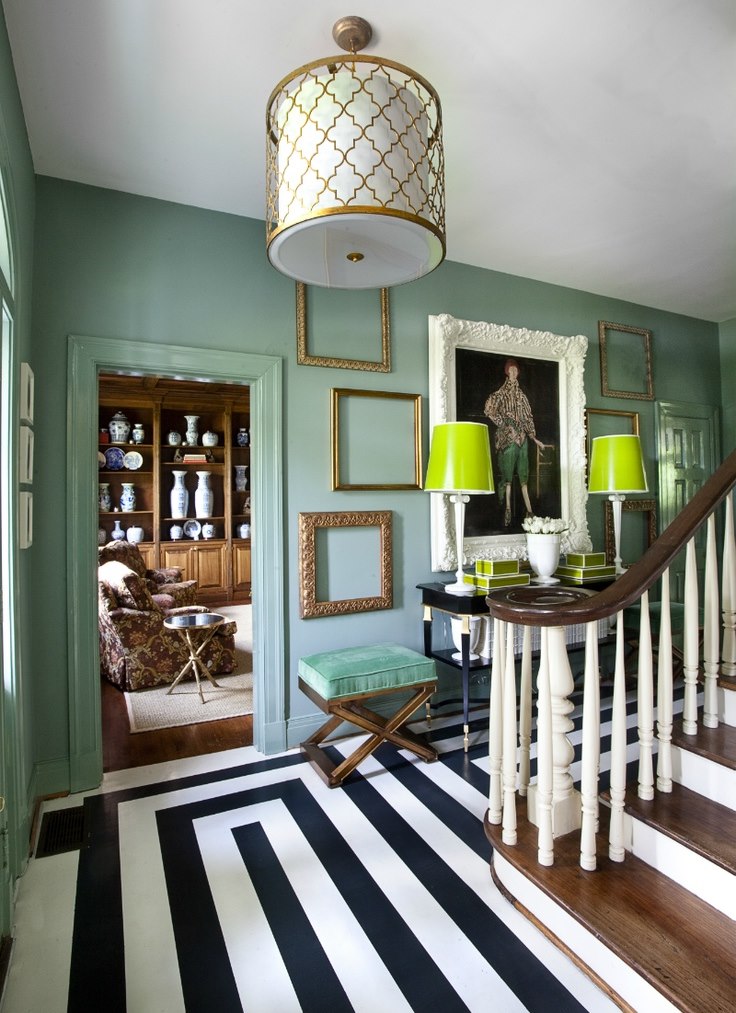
641 893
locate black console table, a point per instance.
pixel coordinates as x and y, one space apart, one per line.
458 606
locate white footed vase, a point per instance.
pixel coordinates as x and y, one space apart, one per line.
476 631
179 495
544 557
203 495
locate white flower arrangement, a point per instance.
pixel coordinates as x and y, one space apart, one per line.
543 525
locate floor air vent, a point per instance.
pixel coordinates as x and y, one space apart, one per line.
61 830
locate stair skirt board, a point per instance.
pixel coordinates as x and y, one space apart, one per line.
708 881
727 705
581 945
702 775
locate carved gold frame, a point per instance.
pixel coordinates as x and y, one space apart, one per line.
337 393
310 606
632 417
646 506
646 336
303 357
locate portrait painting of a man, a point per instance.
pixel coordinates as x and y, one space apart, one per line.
518 398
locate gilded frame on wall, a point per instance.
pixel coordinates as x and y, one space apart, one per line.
303 357
636 357
310 606
566 354
646 506
632 419
414 481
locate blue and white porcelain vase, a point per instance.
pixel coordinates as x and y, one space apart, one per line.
241 477
203 496
191 437
105 499
179 495
242 437
119 428
117 533
127 497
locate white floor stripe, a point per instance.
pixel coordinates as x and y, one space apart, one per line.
363 975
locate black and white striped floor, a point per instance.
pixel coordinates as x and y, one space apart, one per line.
238 882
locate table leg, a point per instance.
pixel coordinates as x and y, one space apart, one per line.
195 662
428 653
465 661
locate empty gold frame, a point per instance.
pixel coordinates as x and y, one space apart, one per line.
605 422
303 357
626 361
309 523
374 442
645 506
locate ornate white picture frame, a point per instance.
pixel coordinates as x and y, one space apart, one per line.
446 336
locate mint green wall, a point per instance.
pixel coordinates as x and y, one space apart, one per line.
113 265
727 332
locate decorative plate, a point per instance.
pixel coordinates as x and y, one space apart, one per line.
101 462
192 529
114 458
133 460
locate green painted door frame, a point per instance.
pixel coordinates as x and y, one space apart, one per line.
87 357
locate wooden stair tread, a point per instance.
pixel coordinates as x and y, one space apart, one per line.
717 744
680 944
707 828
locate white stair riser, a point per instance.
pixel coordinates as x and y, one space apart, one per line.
727 706
707 881
630 986
712 780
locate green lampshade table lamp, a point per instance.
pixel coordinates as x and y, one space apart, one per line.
460 465
617 469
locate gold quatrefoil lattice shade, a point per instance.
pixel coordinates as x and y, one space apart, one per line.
355 174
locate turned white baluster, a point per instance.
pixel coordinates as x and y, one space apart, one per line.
495 723
545 837
711 630
664 691
591 750
525 710
565 801
616 849
728 594
509 741
645 701
690 643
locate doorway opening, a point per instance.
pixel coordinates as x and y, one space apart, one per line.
87 357
152 428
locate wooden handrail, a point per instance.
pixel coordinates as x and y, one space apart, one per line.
640 576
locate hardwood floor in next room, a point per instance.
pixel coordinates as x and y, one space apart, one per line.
121 749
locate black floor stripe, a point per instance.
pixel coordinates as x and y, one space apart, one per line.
309 968
415 973
537 988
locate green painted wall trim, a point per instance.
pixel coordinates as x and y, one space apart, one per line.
86 358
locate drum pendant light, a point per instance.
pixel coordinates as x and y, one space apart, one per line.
355 170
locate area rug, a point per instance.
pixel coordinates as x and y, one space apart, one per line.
153 708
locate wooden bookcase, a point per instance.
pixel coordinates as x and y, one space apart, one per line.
220 564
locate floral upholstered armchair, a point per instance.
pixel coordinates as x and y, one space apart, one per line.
165 581
136 649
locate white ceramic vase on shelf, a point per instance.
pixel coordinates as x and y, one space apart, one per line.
117 533
105 498
192 434
544 557
179 495
203 495
241 477
127 497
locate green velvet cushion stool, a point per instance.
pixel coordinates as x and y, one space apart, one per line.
340 682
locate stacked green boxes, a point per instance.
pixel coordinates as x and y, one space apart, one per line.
491 573
585 567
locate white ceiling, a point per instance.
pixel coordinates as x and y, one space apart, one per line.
588 144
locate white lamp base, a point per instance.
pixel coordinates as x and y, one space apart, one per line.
459 499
